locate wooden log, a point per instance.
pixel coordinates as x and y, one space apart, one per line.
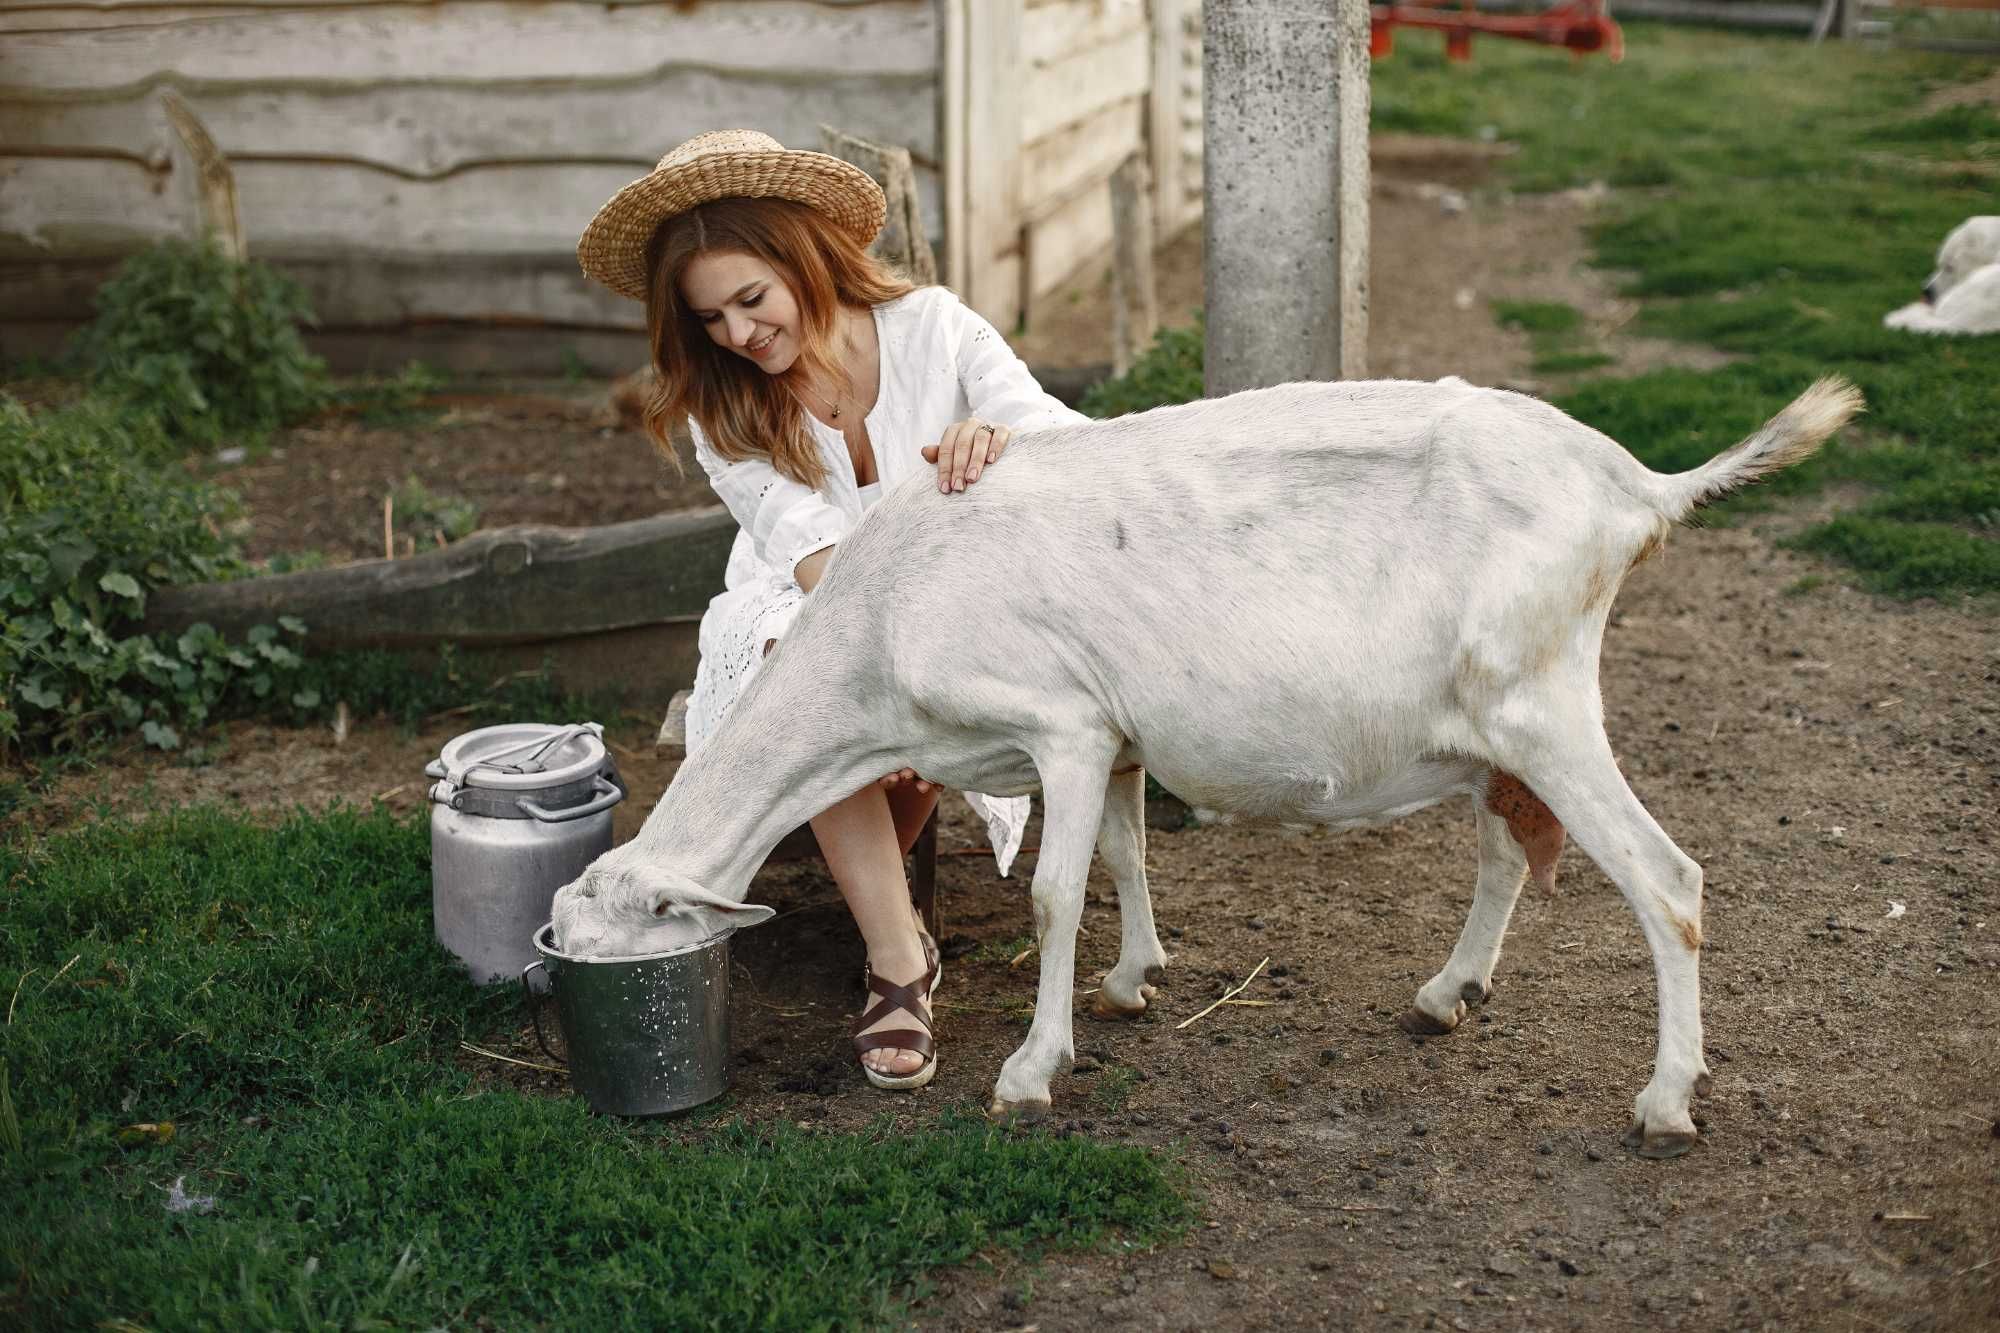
904 242
397 45
1135 314
507 586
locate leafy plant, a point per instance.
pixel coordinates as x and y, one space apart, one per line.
1170 371
398 400
90 526
419 510
207 343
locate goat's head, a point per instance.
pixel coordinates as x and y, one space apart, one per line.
618 908
1972 245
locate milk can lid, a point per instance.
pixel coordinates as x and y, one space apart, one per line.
524 756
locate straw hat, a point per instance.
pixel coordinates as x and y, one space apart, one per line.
719 165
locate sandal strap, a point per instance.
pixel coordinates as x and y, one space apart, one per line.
902 1039
913 999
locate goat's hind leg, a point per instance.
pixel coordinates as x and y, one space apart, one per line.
1467 977
1121 840
1567 761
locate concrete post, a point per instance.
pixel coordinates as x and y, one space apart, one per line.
1285 191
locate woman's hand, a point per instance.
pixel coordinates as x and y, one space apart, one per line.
891 781
965 450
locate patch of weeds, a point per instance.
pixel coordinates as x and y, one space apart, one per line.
1113 1088
1002 951
574 370
207 345
1170 371
1804 584
417 509
277 995
398 400
295 562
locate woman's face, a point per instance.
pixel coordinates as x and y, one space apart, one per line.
745 306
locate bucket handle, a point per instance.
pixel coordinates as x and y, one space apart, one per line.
608 795
535 1011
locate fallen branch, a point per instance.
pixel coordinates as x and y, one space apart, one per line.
1226 998
495 1055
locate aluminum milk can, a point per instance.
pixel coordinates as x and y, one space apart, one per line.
517 811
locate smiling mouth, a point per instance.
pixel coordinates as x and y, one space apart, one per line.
763 344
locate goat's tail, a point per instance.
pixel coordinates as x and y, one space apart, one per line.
1792 436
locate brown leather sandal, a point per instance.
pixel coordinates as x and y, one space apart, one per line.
913 999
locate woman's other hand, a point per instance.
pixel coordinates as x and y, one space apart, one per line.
893 780
965 450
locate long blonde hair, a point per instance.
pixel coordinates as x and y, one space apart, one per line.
744 412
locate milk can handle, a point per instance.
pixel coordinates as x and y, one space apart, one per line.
608 795
535 1010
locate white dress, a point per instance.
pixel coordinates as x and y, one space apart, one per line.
940 363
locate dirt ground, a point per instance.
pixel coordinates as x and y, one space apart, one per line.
1824 755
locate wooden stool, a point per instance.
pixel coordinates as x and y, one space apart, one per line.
800 845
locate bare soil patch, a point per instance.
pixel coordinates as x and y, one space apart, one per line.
1822 753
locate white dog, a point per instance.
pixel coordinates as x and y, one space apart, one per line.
1963 296
1319 603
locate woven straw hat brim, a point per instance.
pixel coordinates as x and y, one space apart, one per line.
612 249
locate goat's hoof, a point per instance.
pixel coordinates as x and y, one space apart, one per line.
1156 974
1003 1112
1658 1144
1103 1007
1475 994
1420 1024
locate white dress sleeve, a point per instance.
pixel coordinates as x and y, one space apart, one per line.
997 384
785 520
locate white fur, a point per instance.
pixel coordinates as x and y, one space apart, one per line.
1318 603
1963 295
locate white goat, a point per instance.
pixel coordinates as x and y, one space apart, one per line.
1963 294
1318 603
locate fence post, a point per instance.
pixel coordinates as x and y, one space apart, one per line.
902 241
1285 190
1134 308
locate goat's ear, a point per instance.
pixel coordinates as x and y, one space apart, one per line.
717 914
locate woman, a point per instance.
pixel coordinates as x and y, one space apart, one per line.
813 379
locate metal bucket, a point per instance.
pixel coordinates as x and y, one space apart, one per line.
643 1036
517 811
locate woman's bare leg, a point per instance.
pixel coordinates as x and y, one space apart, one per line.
863 841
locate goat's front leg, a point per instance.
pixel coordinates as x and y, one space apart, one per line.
1121 841
1072 800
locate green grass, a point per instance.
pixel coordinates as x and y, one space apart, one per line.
1774 200
276 995
1793 195
1556 334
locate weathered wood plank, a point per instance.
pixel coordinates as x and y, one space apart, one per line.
1056 166
431 130
460 43
506 586
1051 32
369 289
95 207
1061 243
1055 94
993 130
